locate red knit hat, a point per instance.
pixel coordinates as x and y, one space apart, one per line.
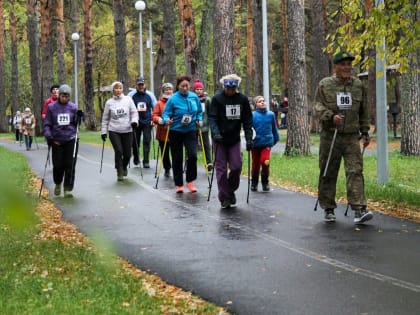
198 84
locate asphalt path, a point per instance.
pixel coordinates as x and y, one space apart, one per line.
273 255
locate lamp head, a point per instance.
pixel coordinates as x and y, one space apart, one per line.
75 36
140 5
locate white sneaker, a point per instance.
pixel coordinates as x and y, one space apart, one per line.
361 216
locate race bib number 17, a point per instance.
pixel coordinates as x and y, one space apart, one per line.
233 111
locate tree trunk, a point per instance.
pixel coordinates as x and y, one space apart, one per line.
32 28
46 53
285 48
297 142
120 43
249 47
14 87
90 118
4 123
320 66
61 41
204 41
410 107
189 38
237 35
165 68
257 56
223 30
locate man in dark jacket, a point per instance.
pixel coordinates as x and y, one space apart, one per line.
229 112
144 106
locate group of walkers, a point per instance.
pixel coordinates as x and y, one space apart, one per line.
182 119
184 115
24 127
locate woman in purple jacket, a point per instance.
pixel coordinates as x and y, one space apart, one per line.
60 130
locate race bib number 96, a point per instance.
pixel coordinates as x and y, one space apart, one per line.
344 101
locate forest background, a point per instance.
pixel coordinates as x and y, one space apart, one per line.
208 39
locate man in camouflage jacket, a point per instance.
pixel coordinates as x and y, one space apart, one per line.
341 105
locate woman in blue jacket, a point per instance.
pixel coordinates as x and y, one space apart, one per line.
266 136
184 115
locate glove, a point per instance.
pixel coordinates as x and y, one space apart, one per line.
160 121
365 139
134 125
103 136
249 145
79 116
218 138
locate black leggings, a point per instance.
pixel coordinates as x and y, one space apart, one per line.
63 163
121 142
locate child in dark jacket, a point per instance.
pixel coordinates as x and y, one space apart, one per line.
266 136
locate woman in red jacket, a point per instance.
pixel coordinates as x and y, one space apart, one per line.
161 130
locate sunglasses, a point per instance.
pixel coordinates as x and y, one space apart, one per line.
230 83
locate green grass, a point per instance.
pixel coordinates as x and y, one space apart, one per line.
39 276
402 188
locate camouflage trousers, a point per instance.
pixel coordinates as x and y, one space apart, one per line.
346 147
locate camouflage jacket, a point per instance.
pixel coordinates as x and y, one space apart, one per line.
356 115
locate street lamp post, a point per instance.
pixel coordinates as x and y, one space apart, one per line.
140 6
266 78
75 37
150 45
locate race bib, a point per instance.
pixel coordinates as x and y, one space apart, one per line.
233 112
344 100
203 107
28 121
141 106
186 119
119 112
63 119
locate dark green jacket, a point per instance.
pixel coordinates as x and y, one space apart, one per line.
356 118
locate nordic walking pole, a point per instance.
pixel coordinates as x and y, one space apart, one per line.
204 153
157 161
328 162
45 170
136 144
161 158
36 142
153 142
102 156
249 176
212 171
75 148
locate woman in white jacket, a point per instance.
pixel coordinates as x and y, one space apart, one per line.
119 119
17 123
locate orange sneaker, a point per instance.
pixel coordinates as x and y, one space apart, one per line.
191 187
179 189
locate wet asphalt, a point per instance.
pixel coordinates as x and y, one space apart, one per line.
273 255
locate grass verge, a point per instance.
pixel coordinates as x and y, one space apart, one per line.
48 267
